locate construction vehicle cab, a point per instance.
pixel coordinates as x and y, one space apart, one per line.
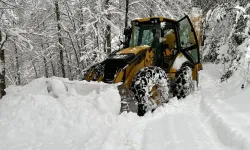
166 36
160 59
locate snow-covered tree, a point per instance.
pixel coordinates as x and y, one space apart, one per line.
227 29
60 38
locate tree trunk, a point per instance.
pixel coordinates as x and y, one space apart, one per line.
151 9
34 66
75 51
18 78
108 28
126 14
52 66
83 40
68 58
71 38
45 62
45 67
97 36
108 38
57 11
2 68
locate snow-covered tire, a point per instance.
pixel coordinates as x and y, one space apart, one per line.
142 85
184 83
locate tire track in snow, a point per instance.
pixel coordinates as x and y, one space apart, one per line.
226 122
160 134
228 133
178 128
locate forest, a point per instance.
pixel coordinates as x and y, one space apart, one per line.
164 90
45 38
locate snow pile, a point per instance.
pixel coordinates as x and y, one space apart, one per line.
47 111
60 89
60 114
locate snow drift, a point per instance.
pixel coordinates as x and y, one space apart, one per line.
57 114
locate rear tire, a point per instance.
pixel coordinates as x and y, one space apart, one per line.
184 84
146 83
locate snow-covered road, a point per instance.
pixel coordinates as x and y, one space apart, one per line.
217 117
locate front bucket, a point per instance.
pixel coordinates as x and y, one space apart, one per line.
128 101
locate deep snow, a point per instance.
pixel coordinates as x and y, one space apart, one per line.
59 114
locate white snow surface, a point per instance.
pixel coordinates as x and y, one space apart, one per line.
58 114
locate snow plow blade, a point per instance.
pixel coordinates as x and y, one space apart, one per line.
128 101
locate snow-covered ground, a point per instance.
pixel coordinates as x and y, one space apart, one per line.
46 114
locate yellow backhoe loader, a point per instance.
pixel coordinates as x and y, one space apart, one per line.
160 59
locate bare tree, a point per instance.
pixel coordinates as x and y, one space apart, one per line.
2 66
126 13
18 72
108 28
63 37
57 11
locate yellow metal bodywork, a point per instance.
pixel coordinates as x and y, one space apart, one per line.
130 70
89 75
100 78
132 50
119 76
149 18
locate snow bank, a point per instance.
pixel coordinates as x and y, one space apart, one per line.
59 89
57 114
38 115
60 114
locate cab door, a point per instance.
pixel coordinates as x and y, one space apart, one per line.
188 43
